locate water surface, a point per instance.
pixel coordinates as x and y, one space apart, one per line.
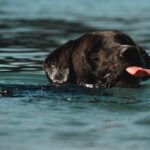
36 116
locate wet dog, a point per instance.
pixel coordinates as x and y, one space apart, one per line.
98 59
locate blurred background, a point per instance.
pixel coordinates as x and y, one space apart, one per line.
30 29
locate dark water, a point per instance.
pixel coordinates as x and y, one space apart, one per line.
34 116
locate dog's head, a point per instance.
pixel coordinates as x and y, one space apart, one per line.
109 57
98 58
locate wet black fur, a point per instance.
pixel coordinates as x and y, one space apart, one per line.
97 58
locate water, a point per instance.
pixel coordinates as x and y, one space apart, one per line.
34 116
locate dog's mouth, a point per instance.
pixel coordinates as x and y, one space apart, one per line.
138 71
131 76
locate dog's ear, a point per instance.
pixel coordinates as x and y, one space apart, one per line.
57 64
146 60
146 57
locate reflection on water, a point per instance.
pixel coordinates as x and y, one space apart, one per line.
24 44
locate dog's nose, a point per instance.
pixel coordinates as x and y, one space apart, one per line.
129 51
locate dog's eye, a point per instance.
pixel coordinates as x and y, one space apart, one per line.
94 57
124 39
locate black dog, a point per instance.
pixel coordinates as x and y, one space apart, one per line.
99 59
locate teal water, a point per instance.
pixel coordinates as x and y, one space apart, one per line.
35 116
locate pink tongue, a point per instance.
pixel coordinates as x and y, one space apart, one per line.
138 71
